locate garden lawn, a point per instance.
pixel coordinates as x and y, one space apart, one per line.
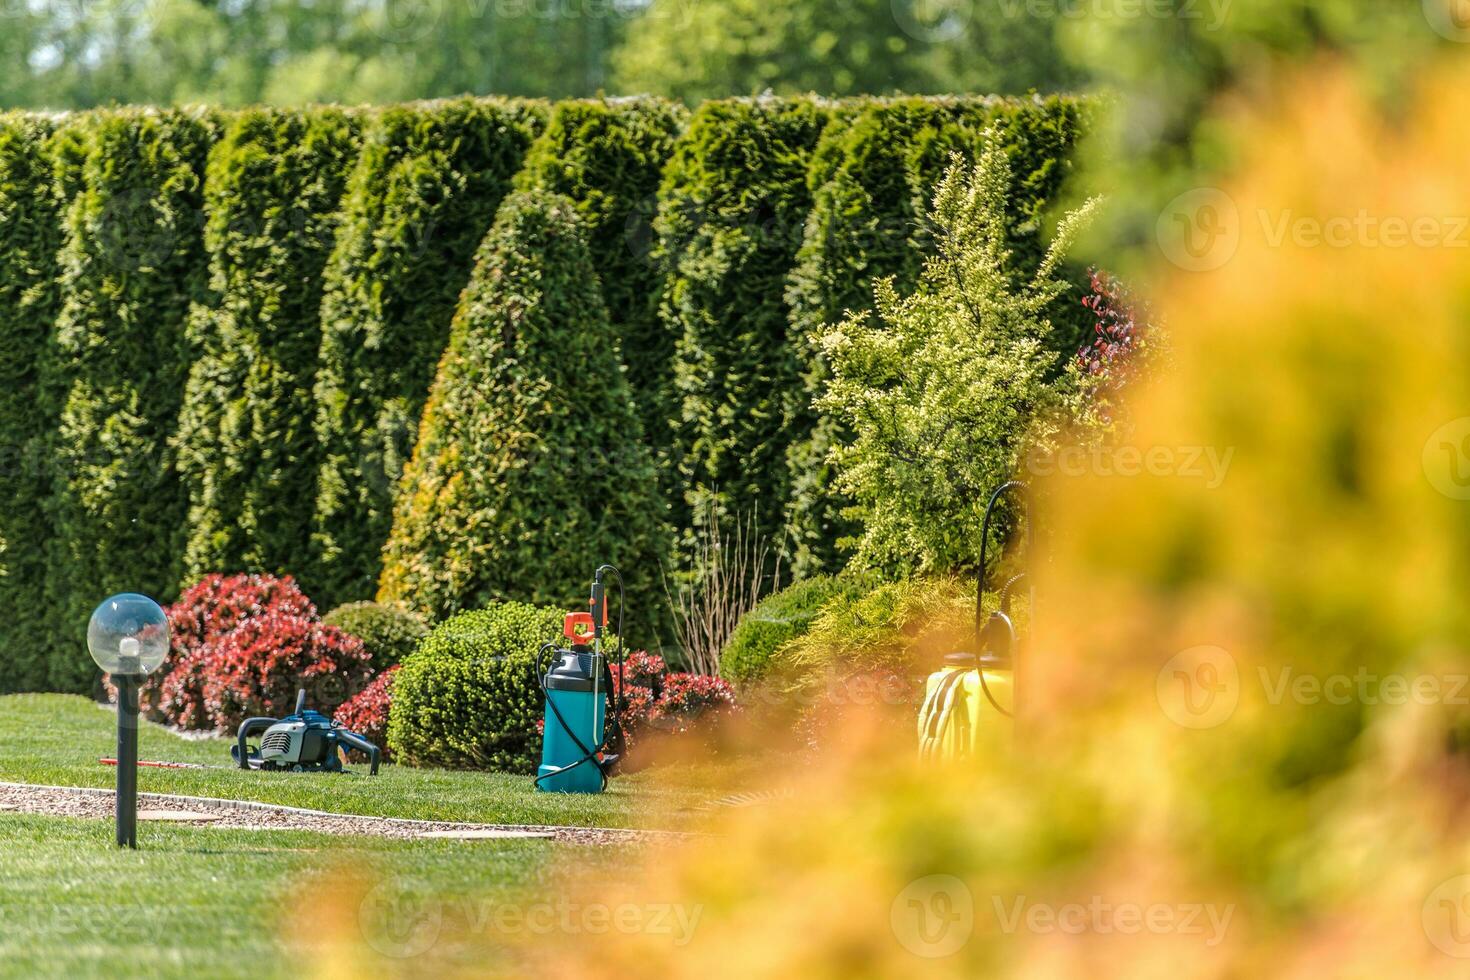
205 902
56 740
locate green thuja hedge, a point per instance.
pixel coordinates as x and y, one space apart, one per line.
530 467
131 263
871 183
608 157
731 211
30 234
419 201
246 441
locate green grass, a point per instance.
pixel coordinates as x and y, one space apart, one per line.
196 902
56 740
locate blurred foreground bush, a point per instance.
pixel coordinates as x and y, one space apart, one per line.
1241 748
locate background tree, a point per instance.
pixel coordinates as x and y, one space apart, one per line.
715 49
946 388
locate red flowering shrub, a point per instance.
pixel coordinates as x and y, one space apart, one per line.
367 713
257 668
204 614
642 669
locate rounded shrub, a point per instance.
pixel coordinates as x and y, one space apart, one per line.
419 200
390 633
28 406
131 265
246 444
530 466
776 620
467 698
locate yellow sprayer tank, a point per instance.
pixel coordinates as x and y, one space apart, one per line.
959 698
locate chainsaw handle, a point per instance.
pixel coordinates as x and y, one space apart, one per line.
355 741
249 727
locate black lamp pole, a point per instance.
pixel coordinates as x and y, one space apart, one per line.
127 759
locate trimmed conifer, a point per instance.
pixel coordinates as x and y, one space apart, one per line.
530 468
419 201
246 439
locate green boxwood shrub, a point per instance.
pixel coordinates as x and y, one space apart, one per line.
132 262
467 698
607 156
389 632
731 209
30 234
872 181
776 620
420 199
530 466
246 443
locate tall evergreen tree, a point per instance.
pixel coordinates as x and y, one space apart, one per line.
246 442
419 201
30 234
131 264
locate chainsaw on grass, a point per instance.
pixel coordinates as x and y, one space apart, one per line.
307 741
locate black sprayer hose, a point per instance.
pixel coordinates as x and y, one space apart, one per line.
984 542
620 694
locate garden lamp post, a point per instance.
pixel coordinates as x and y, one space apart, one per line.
128 637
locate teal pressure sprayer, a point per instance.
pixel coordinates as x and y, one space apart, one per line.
580 749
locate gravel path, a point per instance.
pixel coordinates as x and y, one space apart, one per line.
246 815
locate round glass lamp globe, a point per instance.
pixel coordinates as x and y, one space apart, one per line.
128 634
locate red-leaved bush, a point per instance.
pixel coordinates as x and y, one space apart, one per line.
204 614
257 668
692 700
655 700
1121 338
367 713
